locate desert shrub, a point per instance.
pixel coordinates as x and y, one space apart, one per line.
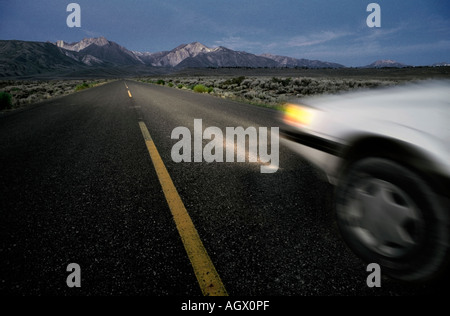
273 86
234 81
306 82
5 101
170 84
180 86
284 82
161 82
82 86
200 88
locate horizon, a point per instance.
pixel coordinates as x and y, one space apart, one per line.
414 33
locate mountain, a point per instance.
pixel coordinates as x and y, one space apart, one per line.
100 50
386 64
197 55
224 57
86 42
289 62
20 58
179 54
149 58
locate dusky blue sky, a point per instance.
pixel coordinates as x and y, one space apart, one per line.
415 32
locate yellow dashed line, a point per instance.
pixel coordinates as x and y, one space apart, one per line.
129 93
207 276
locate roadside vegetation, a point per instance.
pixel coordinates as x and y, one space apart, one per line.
85 85
202 89
5 101
17 94
199 88
266 91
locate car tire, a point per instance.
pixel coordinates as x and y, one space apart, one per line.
387 214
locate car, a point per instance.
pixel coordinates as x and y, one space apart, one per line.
386 151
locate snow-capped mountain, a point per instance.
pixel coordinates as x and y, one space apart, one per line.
96 51
78 46
180 53
99 51
224 57
198 55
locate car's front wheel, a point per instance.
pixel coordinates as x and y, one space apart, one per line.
388 215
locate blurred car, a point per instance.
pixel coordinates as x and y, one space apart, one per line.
387 151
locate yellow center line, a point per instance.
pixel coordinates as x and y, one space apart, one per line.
205 272
129 93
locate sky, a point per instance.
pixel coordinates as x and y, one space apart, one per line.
414 32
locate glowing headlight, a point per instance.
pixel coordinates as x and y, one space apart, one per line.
298 115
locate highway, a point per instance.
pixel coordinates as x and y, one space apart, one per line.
89 179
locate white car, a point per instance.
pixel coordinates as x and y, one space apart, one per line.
387 151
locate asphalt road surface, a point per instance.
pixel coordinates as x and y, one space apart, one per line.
78 185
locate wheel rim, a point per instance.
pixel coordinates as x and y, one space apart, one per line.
382 217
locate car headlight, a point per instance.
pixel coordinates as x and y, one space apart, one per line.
298 115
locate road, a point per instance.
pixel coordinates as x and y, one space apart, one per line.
78 185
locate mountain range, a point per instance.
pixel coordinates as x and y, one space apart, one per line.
100 51
94 56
